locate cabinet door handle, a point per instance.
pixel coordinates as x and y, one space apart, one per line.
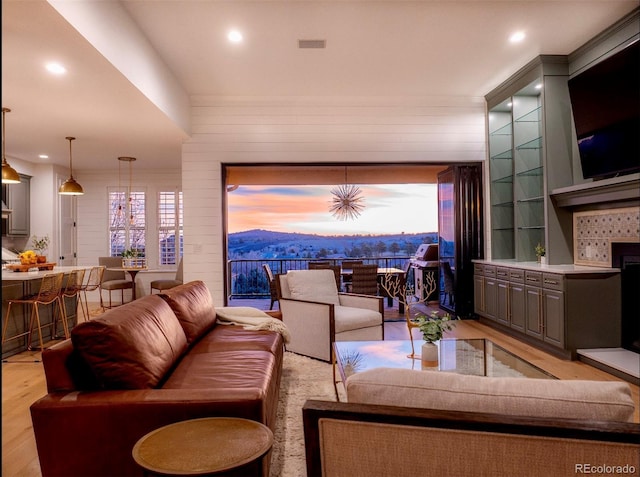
540 324
551 282
509 301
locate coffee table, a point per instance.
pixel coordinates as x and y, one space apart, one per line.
479 357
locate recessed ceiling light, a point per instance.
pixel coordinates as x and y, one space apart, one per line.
539 86
56 68
234 36
43 156
517 37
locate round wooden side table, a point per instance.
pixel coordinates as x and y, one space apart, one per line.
202 447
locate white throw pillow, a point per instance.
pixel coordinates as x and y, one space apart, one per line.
313 285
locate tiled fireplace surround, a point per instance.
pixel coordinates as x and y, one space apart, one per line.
611 238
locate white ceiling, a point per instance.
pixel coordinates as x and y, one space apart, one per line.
374 49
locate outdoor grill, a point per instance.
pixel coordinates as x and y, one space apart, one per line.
424 262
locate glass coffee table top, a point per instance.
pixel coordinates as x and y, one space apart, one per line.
479 357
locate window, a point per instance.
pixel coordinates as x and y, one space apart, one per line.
169 227
127 222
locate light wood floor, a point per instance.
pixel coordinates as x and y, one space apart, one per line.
23 383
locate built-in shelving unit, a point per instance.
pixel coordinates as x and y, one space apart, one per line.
520 113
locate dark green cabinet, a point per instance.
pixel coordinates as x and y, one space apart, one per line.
550 306
17 199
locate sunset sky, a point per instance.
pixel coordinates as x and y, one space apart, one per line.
408 208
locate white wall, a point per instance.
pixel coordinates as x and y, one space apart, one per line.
309 130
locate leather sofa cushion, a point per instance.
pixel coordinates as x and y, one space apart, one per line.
550 398
236 338
224 369
313 285
193 306
132 346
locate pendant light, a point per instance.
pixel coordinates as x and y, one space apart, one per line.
70 186
347 201
9 174
130 160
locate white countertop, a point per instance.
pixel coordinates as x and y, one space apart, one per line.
568 269
11 276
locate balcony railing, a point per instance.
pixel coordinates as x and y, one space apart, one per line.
246 278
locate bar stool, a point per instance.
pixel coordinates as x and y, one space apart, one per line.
71 290
48 294
93 283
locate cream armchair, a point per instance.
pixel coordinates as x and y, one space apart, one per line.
317 315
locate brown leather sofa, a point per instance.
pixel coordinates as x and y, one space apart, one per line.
143 365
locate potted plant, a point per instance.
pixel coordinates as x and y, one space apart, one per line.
41 245
433 327
540 253
131 258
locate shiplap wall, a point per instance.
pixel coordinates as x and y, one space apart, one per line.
309 130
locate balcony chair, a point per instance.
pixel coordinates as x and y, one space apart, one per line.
364 280
328 266
48 294
113 279
92 284
162 285
346 277
317 315
71 289
273 289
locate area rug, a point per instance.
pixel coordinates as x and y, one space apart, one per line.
302 378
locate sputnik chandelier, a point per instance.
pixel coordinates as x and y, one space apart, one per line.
347 202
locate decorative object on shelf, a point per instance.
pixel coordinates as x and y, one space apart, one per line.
41 245
540 254
347 202
9 174
128 208
132 258
70 186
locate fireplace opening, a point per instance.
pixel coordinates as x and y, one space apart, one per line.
626 256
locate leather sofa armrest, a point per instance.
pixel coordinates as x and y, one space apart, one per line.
102 427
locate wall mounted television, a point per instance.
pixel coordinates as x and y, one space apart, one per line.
605 100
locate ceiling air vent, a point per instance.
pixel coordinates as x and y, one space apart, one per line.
312 43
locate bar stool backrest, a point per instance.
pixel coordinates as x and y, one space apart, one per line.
95 278
49 288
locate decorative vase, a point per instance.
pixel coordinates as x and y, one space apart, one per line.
429 355
543 260
41 258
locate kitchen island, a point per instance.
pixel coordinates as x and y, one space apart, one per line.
18 284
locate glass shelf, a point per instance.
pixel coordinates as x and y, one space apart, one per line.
503 155
532 227
503 180
536 171
533 144
504 204
531 117
503 131
503 229
532 200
